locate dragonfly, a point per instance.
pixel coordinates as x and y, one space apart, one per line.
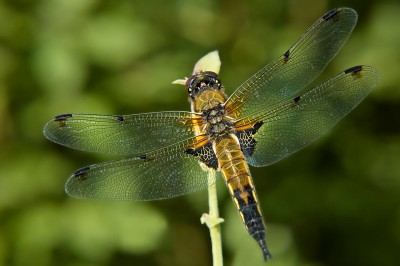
270 116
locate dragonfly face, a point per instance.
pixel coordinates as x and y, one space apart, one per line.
203 81
270 116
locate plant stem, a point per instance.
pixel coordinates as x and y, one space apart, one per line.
213 220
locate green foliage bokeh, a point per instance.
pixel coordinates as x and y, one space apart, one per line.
334 203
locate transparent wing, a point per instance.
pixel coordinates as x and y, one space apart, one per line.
164 173
297 67
289 127
121 134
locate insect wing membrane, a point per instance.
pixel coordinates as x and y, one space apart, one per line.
164 173
289 127
121 134
285 77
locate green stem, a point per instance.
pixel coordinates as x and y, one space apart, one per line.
213 220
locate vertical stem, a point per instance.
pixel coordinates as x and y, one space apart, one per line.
213 220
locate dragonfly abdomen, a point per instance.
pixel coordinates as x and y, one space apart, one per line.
238 179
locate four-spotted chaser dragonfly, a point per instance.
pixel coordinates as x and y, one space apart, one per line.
270 116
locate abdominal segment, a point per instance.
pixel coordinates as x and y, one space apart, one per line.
238 179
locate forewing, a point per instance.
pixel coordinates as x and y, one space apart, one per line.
121 134
164 173
289 127
297 67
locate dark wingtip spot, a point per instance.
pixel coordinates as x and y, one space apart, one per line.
120 118
143 157
353 70
80 174
332 14
296 99
62 117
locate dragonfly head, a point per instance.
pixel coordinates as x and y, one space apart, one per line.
201 82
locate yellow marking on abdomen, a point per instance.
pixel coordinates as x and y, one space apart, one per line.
236 172
238 179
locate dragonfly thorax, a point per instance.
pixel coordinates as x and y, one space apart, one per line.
217 123
207 98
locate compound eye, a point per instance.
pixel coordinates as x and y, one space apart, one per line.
190 81
211 74
212 77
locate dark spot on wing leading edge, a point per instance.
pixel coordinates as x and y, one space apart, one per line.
286 56
61 119
81 173
120 118
353 70
332 14
296 99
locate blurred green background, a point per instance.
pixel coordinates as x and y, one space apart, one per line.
337 202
